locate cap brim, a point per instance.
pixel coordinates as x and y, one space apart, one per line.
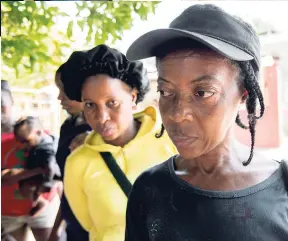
144 46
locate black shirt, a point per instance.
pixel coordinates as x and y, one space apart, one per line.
163 207
69 130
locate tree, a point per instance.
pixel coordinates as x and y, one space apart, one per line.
32 42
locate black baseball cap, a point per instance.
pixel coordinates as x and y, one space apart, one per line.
208 24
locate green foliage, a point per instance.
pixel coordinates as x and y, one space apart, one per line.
25 32
32 42
106 21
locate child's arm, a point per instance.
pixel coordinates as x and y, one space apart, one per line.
14 175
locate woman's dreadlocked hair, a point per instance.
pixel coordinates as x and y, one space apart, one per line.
250 83
254 92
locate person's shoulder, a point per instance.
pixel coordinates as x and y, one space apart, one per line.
7 137
69 121
67 125
156 174
80 159
284 166
155 181
47 143
7 134
81 155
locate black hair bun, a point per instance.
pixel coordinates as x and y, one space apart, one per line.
105 60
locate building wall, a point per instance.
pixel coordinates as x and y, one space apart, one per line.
41 104
268 130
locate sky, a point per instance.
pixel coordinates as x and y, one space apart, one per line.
274 12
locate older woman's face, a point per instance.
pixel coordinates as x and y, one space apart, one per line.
199 99
108 106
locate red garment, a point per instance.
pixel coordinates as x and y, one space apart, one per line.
12 204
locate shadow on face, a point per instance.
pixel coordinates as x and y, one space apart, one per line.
199 99
108 106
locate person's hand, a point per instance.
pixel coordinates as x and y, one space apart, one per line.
78 141
12 171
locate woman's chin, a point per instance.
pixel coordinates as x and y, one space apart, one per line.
188 153
110 138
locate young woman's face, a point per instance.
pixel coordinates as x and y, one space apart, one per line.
108 106
71 106
199 99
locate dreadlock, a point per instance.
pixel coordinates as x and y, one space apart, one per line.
254 92
250 83
158 135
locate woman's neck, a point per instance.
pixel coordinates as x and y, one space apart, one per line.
129 135
228 155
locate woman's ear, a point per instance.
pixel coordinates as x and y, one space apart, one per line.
134 99
244 96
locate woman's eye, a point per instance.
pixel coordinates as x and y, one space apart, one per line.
113 103
165 93
88 105
204 94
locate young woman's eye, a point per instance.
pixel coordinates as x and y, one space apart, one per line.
113 103
204 94
165 93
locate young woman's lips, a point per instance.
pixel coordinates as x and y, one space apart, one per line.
183 141
64 107
107 132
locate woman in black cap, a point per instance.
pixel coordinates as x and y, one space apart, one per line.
98 175
216 189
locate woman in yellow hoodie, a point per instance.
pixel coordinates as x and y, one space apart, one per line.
110 86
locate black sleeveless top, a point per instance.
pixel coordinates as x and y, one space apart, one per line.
162 207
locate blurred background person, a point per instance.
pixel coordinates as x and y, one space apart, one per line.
40 149
72 134
15 209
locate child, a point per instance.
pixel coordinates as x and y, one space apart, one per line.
41 150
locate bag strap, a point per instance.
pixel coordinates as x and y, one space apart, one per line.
284 165
116 171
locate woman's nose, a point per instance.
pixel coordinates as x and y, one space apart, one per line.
180 111
103 116
61 96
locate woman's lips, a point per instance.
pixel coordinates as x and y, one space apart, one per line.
107 132
183 141
64 106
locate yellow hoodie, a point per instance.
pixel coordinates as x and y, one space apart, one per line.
94 195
